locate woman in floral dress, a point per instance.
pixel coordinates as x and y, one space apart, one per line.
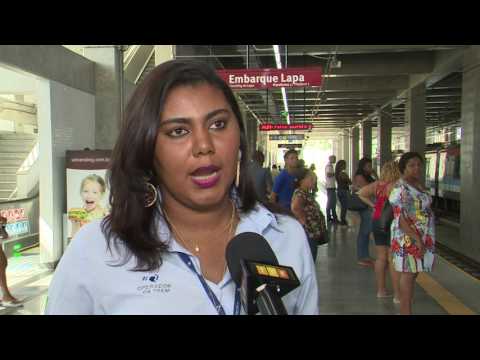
413 230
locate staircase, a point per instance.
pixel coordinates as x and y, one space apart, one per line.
14 148
150 66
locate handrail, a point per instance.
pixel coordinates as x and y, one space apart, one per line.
152 53
13 193
20 200
129 53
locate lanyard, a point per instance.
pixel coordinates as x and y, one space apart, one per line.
214 300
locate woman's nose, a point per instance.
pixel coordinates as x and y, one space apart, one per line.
202 143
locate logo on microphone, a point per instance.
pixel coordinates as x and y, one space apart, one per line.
272 271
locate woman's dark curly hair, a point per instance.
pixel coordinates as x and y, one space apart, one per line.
402 164
130 223
300 174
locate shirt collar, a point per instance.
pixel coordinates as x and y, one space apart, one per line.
258 220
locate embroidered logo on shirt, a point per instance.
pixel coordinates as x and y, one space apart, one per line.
153 286
151 278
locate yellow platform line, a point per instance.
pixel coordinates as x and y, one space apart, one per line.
445 298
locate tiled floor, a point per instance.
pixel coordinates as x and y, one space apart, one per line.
28 281
345 287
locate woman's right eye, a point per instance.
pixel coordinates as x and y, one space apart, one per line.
177 132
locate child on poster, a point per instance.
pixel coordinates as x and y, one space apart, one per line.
92 191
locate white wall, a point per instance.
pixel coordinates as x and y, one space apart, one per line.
66 121
12 82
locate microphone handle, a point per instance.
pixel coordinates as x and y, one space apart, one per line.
269 303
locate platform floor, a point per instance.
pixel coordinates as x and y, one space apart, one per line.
345 288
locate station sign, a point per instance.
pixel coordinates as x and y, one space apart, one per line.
290 146
276 127
287 137
272 78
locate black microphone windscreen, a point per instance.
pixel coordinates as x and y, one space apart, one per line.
248 246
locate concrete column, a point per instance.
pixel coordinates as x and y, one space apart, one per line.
354 150
66 121
415 119
108 80
164 53
470 153
340 154
252 129
384 136
335 148
367 139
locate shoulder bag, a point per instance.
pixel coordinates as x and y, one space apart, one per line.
354 203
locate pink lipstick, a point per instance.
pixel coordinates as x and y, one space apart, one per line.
206 177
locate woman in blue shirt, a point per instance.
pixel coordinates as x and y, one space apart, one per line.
179 191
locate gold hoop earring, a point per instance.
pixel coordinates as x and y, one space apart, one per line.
151 195
237 180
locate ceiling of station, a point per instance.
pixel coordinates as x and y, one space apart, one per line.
369 76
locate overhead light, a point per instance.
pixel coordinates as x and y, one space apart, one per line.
276 50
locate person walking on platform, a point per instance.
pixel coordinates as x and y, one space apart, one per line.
413 227
331 193
306 209
362 178
380 190
343 188
262 178
7 300
283 188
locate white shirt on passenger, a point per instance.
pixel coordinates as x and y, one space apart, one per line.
329 181
85 283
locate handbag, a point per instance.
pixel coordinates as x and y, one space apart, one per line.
323 238
354 203
386 218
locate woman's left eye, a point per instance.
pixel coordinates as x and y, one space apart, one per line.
219 124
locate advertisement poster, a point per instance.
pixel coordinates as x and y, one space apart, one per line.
17 221
87 188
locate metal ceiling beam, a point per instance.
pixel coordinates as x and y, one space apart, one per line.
372 64
358 49
366 84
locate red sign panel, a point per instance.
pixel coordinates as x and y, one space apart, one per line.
14 215
272 127
271 78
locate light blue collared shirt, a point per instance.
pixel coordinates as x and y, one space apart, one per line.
85 283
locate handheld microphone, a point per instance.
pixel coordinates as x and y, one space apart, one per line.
255 269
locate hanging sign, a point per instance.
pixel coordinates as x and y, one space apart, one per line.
273 127
287 137
272 78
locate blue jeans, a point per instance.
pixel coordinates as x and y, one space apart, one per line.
364 234
342 196
331 204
